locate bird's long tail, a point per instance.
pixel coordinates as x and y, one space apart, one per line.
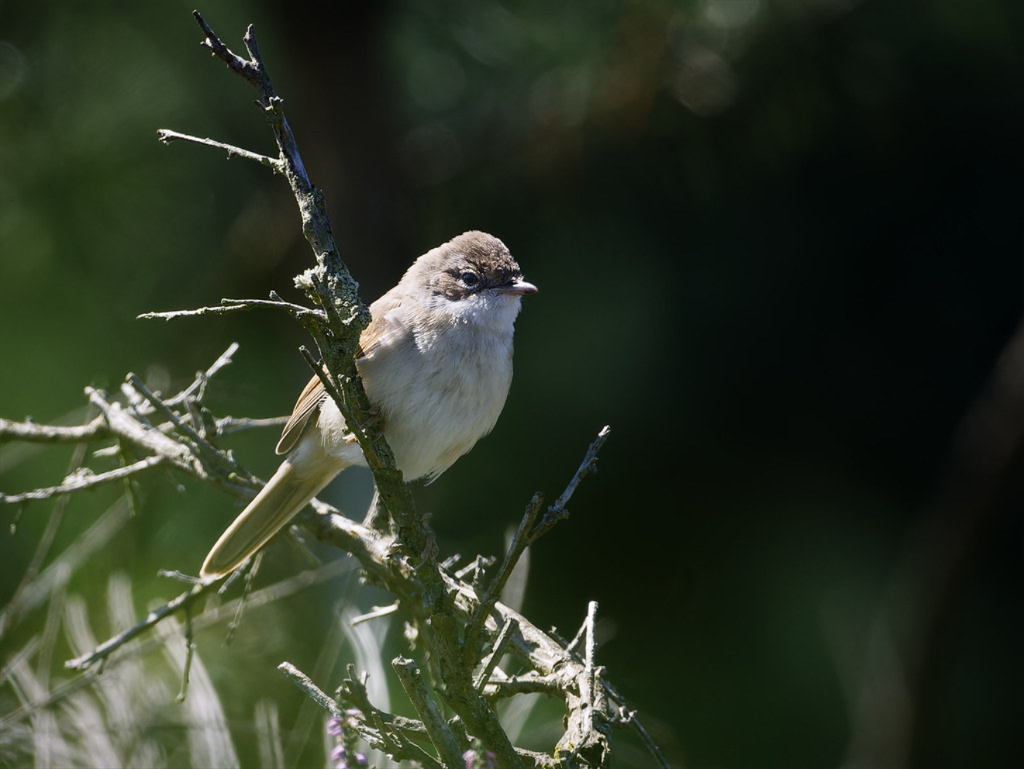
285 494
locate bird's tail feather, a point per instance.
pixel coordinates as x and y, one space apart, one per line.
285 494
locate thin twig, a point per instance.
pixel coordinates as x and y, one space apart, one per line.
250 580
195 313
440 734
312 691
190 651
378 612
384 731
529 531
578 638
295 310
228 306
529 684
558 511
508 631
647 740
133 428
197 388
185 429
588 695
231 425
83 480
11 611
520 541
588 722
35 433
106 648
167 136
275 592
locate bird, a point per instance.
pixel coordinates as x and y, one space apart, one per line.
436 365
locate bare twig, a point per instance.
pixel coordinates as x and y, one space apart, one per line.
228 306
384 731
190 651
36 433
106 648
210 617
529 531
332 287
230 425
17 601
528 684
166 136
161 408
588 694
249 579
587 727
198 387
312 691
508 631
84 479
377 613
442 737
630 719
558 511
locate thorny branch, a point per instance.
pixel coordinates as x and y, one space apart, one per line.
342 316
463 630
554 669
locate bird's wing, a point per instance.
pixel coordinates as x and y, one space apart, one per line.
386 322
383 326
308 403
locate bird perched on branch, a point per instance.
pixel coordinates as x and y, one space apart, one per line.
436 365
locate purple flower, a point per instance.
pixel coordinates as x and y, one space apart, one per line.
344 729
479 759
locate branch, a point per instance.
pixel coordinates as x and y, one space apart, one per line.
442 737
312 691
384 731
528 533
210 617
167 136
331 286
84 479
558 511
198 387
586 734
528 684
508 631
106 648
556 669
35 433
230 425
174 444
229 306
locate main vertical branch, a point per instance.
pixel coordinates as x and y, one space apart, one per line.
332 287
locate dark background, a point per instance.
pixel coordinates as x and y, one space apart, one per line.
779 252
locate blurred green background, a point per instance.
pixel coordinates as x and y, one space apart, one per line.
779 251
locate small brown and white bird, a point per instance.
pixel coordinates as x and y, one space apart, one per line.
436 364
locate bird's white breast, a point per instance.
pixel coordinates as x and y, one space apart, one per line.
440 384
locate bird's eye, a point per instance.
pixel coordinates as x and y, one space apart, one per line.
469 279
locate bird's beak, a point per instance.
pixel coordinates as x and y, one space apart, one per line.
519 286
